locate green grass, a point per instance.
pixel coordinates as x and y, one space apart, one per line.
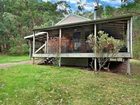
9 59
46 85
135 66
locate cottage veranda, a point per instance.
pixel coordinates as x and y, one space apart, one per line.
67 39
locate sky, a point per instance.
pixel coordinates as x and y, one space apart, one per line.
90 3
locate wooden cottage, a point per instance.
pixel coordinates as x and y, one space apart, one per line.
67 39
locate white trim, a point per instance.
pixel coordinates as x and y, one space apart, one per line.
47 42
81 55
131 36
37 34
45 50
60 34
128 36
34 42
40 48
95 35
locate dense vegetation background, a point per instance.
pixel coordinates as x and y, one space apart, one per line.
19 17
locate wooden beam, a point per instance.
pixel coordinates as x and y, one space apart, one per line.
128 38
82 55
39 48
33 47
131 36
128 69
33 42
30 49
95 36
47 43
45 50
60 34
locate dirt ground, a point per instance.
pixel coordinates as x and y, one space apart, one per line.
6 65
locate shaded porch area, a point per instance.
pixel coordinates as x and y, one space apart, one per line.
72 41
69 41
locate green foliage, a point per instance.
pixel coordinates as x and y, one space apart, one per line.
105 47
49 85
133 9
136 47
19 19
18 46
109 12
19 49
104 43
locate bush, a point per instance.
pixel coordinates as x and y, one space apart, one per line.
106 47
19 49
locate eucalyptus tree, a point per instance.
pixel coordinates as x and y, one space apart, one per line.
64 7
19 19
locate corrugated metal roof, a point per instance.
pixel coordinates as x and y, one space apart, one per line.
125 17
72 18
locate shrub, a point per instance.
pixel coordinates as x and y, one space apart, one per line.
105 47
19 49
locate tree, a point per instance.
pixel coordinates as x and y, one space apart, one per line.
63 7
19 19
106 47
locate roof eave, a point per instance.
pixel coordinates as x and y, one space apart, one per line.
86 22
37 34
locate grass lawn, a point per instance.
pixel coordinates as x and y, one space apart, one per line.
9 59
46 85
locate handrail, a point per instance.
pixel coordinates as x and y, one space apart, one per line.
40 48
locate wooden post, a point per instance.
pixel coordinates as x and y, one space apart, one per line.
128 66
33 42
30 49
128 38
95 35
95 13
33 47
131 35
47 42
45 50
33 60
60 34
